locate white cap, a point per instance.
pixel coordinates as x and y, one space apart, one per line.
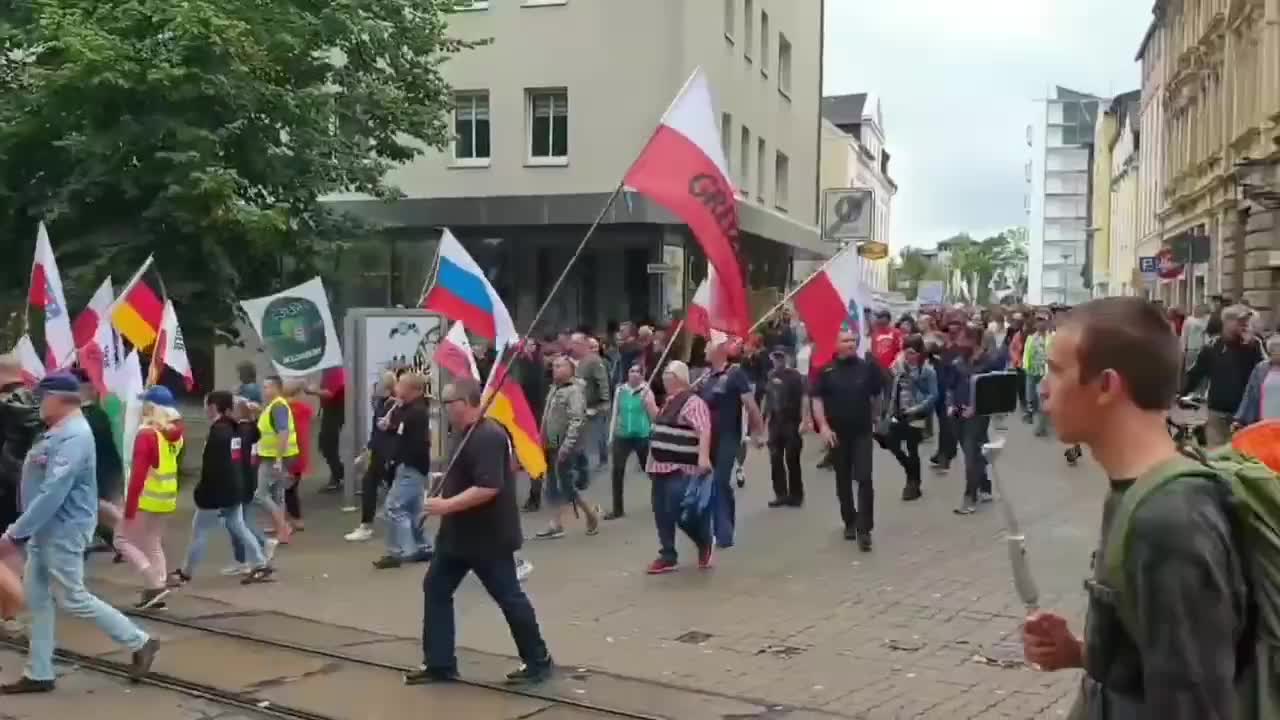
679 369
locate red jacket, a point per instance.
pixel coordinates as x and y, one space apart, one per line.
146 455
303 415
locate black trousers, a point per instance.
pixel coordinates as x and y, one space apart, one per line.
374 475
904 442
330 437
784 463
852 458
623 447
9 510
973 433
1022 390
947 440
292 503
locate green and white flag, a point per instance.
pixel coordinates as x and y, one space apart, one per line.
296 328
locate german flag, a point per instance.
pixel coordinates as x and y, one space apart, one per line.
138 312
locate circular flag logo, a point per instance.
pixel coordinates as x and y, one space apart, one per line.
293 333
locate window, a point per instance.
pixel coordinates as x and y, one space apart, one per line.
760 156
781 171
784 65
726 137
748 28
549 126
764 43
744 166
729 22
471 128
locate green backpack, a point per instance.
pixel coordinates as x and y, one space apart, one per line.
1255 515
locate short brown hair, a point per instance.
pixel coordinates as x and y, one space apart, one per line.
1130 336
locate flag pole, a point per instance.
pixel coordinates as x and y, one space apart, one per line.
792 293
665 351
429 282
500 377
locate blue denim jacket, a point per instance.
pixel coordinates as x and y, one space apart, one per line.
59 485
1250 410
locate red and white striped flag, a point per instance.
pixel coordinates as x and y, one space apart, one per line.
46 294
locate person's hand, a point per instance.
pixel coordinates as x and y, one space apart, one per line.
437 506
591 412
967 412
313 389
384 423
951 411
828 437
704 464
1048 644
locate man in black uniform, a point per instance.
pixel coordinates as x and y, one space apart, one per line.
783 411
480 533
846 397
19 426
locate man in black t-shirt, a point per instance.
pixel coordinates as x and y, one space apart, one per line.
783 412
480 533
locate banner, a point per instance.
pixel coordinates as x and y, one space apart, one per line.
931 292
296 328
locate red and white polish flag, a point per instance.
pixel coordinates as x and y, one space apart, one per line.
683 169
834 300
454 353
29 359
46 294
94 336
707 310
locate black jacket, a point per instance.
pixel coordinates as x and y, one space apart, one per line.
1227 365
412 431
20 424
221 472
247 433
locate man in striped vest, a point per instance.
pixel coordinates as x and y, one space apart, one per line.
679 456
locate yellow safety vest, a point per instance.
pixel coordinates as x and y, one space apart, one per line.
160 491
269 443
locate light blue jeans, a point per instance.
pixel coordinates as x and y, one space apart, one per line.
271 485
406 534
55 573
1033 405
232 519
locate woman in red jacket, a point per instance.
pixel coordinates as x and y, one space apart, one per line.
152 495
303 415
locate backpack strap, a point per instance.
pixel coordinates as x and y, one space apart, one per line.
1115 553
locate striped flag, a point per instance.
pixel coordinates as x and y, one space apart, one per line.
139 312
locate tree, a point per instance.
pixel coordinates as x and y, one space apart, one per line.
206 132
914 267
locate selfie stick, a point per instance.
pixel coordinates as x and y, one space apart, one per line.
1022 579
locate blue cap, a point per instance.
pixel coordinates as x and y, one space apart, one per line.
159 395
59 383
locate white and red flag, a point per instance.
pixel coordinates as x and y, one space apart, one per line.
29 359
454 353
683 169
94 337
46 294
172 347
707 311
834 300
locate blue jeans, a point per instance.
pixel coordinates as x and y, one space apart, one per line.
406 534
1033 405
232 519
271 486
725 510
247 515
973 435
55 572
667 494
498 575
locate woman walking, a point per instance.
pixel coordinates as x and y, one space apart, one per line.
911 400
152 496
220 494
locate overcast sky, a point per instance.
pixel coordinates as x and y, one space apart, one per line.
956 81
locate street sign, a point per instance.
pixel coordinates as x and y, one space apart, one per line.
847 214
660 268
1148 264
873 250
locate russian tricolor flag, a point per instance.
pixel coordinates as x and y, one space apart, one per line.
461 292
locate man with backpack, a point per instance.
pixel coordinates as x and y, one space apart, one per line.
1226 363
1168 635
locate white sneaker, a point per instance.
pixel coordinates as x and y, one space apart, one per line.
12 629
269 549
233 570
360 534
524 569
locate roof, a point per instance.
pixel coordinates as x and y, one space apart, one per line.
1157 13
1123 104
844 109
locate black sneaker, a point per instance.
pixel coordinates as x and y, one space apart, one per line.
177 579
26 686
427 676
387 562
152 599
796 501
143 658
530 674
864 541
531 505
911 493
939 464
422 556
258 575
331 488
779 502
850 533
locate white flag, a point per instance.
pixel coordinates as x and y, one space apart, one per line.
46 294
174 348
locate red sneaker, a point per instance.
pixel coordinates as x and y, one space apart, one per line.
706 558
660 566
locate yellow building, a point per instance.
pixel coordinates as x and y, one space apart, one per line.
1099 230
1113 198
1220 75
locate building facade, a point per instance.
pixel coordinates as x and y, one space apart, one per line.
854 156
1151 153
1123 190
1098 233
552 112
1059 177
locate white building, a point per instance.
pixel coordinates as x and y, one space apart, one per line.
854 155
1060 139
552 112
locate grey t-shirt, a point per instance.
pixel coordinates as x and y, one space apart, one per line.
1185 574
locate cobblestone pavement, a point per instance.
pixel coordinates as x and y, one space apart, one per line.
925 626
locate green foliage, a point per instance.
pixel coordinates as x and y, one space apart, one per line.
999 259
205 132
